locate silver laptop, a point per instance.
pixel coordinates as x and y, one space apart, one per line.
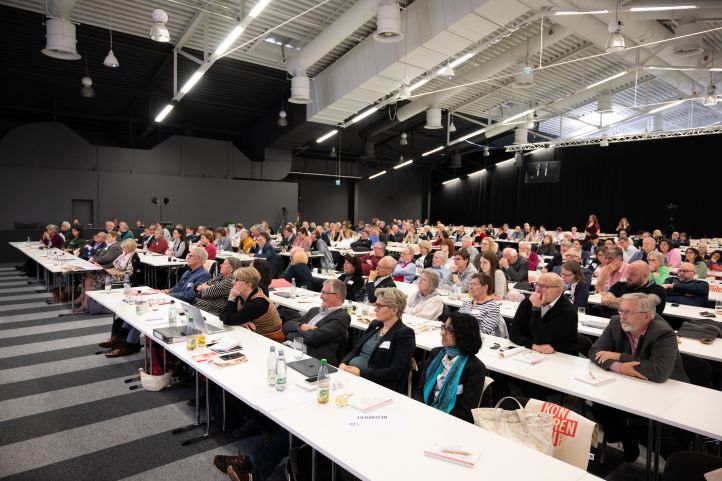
199 323
173 334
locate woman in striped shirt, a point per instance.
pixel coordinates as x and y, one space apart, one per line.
482 306
213 295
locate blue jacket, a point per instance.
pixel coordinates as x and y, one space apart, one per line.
185 290
89 250
692 293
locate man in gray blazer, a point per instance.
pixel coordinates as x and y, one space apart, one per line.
637 343
105 257
323 329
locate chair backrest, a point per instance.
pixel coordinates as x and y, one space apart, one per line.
584 344
413 367
690 466
212 267
699 371
502 330
341 350
485 390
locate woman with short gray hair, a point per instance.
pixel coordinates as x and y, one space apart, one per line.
426 301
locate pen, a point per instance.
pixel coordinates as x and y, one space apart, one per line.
455 451
591 375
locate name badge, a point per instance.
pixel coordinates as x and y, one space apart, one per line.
459 389
385 345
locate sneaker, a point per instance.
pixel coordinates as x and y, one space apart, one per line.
222 463
238 474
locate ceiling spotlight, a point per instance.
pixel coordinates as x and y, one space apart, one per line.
404 92
159 32
282 120
452 127
332 154
447 71
711 98
486 152
87 89
403 139
111 60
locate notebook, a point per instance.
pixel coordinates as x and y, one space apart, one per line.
594 379
461 455
367 404
531 357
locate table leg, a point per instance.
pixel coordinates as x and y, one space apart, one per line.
224 409
314 474
198 422
650 448
657 447
207 434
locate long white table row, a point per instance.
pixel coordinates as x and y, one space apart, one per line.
390 449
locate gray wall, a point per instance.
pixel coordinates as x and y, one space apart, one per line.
397 194
320 199
45 165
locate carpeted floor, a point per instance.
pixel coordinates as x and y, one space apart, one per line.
66 412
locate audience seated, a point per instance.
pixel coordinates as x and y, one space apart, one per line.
298 269
514 266
405 270
674 258
461 272
90 249
438 263
532 258
575 283
370 261
614 271
206 241
693 256
179 247
352 278
637 281
489 264
426 301
686 289
212 295
482 307
185 289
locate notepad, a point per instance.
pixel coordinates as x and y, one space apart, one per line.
594 379
531 358
461 455
368 403
511 351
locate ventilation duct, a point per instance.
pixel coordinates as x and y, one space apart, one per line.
521 135
455 160
433 118
388 23
691 45
300 90
604 103
60 31
658 121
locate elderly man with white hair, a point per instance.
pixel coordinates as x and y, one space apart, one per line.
405 270
467 244
380 277
196 274
514 266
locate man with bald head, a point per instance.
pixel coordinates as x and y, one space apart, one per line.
380 277
546 321
685 289
637 281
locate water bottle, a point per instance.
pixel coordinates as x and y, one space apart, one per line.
28 243
281 372
365 306
271 367
323 383
171 313
293 288
127 292
108 284
138 303
190 328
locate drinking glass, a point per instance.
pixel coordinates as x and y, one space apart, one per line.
718 307
298 347
581 312
154 302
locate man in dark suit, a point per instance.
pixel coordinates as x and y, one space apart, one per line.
105 257
637 343
90 249
323 329
381 277
288 238
546 321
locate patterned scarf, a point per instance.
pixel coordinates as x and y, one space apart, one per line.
446 399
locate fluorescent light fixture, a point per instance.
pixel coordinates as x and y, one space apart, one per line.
665 107
228 41
518 116
408 162
326 136
192 81
468 136
446 182
440 147
478 172
256 11
378 174
581 12
163 113
662 8
363 115
418 84
506 162
615 76
461 60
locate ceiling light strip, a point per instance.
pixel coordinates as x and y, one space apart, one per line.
364 114
408 162
441 147
378 174
326 136
608 79
163 113
447 182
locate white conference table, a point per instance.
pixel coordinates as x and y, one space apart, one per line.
154 261
393 450
57 262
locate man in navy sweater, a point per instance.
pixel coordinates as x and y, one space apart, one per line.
686 289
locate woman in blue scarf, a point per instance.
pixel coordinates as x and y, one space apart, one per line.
453 378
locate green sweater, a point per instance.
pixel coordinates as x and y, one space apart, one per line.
662 275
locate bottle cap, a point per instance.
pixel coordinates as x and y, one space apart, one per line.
172 301
324 362
273 348
280 351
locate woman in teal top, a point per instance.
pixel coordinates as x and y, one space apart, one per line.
658 272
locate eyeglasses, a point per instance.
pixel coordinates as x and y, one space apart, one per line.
545 287
623 312
685 270
379 306
328 292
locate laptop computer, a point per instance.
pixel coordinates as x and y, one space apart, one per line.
174 334
309 367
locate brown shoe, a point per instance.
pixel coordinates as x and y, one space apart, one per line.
124 350
239 474
222 463
113 342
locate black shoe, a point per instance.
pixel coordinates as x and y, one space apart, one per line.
631 449
222 463
248 429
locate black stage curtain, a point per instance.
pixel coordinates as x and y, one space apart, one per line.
636 180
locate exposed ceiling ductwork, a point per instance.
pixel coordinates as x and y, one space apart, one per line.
60 31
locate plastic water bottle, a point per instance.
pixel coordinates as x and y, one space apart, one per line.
28 243
365 306
138 303
108 284
171 313
281 372
127 291
323 383
293 288
271 367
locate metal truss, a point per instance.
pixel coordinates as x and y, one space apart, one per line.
667 134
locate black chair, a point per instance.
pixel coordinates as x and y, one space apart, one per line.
699 371
584 344
690 466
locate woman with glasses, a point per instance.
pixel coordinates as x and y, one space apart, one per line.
249 307
383 354
575 283
212 295
693 257
453 378
658 272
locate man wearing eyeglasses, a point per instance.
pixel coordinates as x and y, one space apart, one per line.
324 328
196 274
686 289
546 321
638 343
380 277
